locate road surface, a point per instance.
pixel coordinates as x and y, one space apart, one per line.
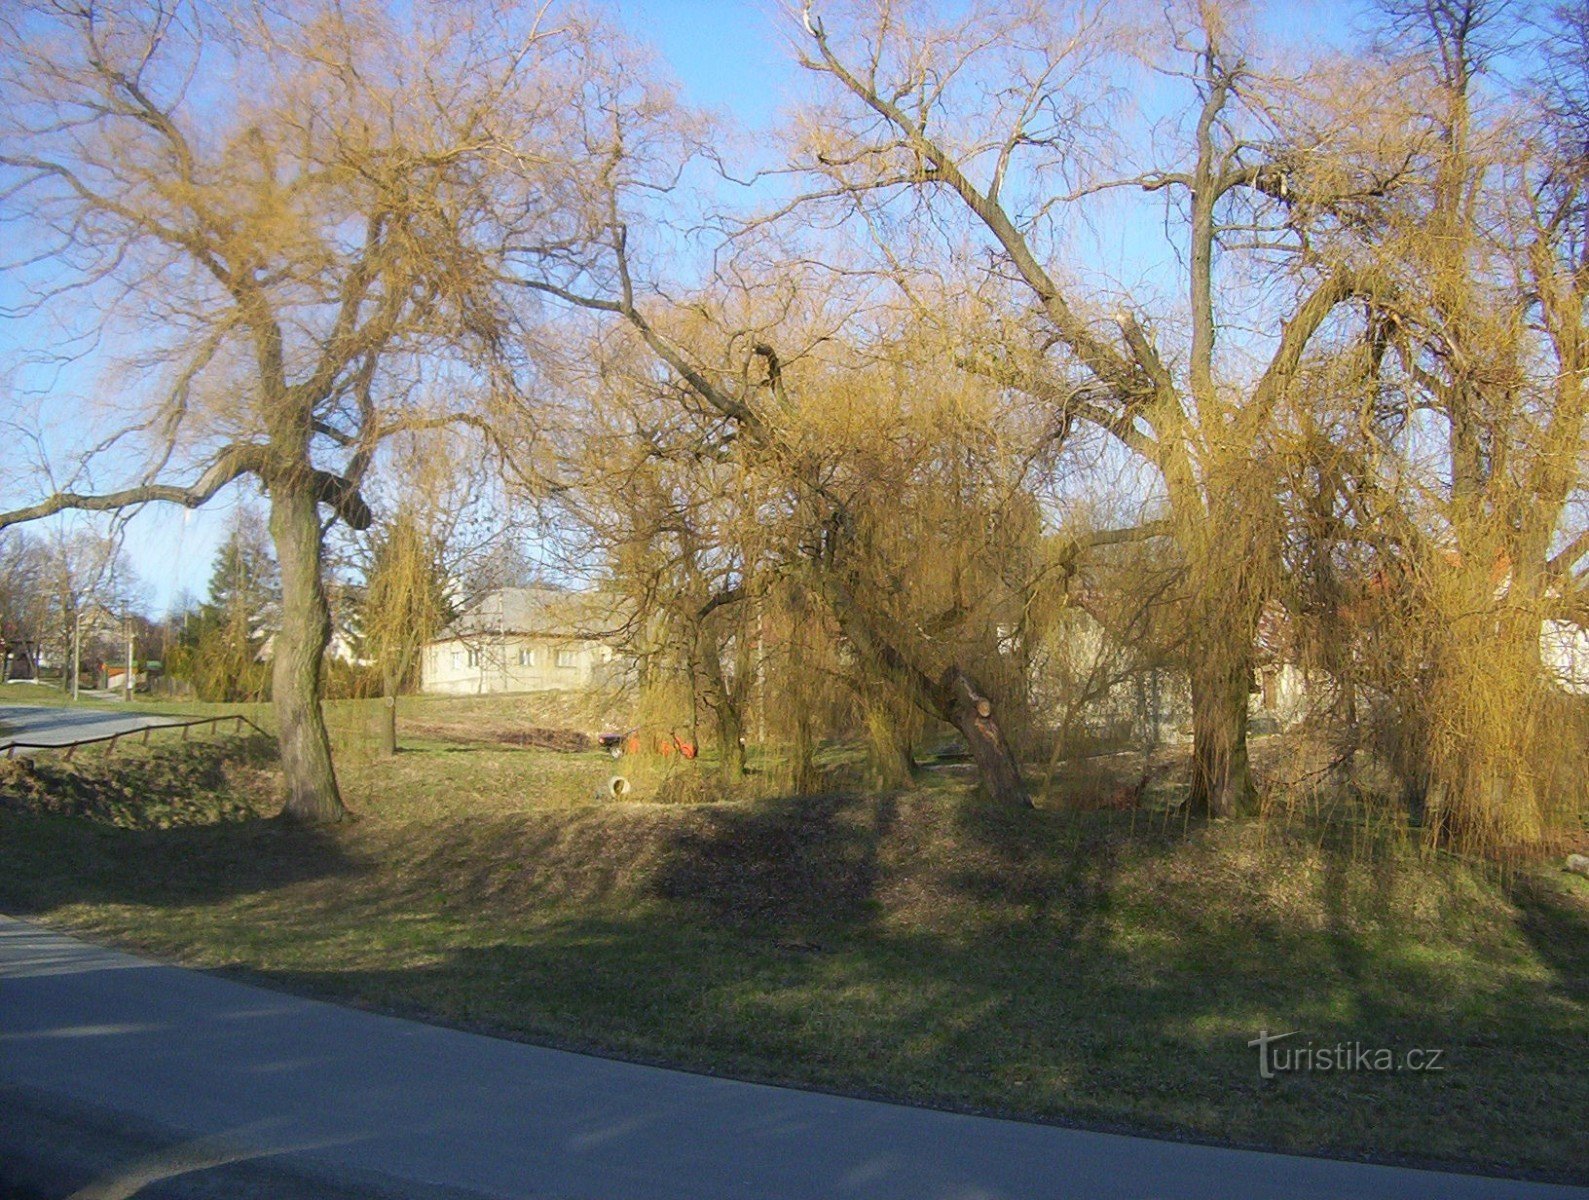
38 724
122 1076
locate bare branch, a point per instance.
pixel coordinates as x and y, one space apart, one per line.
232 462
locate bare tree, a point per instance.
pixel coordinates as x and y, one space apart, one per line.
24 603
1456 482
281 203
405 604
999 116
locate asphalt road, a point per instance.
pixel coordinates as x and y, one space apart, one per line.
119 1076
43 725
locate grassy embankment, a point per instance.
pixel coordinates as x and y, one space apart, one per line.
1092 966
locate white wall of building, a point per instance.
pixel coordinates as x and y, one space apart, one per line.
512 663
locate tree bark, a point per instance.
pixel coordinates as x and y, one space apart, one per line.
730 742
1222 783
972 713
312 794
893 764
726 715
388 715
805 766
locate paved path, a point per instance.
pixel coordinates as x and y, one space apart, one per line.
41 724
363 1097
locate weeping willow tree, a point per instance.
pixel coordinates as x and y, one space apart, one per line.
866 514
939 536
270 248
999 125
405 606
1443 468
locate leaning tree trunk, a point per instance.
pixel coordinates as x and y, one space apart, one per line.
953 697
312 794
972 713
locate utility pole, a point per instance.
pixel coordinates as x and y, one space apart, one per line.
130 677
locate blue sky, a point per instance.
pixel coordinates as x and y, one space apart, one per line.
729 55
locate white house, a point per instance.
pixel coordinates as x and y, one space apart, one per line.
526 640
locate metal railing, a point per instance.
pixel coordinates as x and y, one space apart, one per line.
142 734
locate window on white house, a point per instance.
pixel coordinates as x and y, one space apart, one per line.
474 658
568 658
457 660
526 656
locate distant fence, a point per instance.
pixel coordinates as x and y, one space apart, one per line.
142 734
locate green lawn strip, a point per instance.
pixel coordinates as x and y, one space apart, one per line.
1053 965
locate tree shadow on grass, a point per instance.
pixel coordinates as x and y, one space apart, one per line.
1053 1020
172 825
1057 966
1050 965
1556 922
799 862
51 862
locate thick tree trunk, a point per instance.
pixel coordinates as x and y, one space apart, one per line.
972 714
892 763
300 645
1221 773
726 716
1492 763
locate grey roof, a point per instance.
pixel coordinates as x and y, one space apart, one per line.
541 612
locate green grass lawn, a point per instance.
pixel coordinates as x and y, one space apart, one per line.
1095 967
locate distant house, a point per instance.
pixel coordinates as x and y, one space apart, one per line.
525 640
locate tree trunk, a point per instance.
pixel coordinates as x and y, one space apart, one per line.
888 741
388 716
972 714
312 794
1221 774
804 773
731 741
805 766
1492 760
724 704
